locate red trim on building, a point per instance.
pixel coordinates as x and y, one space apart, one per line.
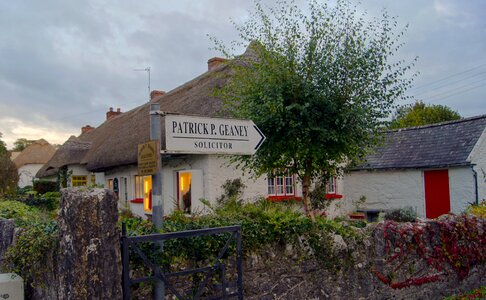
283 198
137 200
333 196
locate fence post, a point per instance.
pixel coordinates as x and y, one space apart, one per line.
125 263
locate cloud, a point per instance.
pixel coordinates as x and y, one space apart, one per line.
13 128
64 63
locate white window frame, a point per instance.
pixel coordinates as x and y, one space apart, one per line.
278 186
331 186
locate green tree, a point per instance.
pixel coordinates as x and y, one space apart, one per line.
318 84
9 176
21 144
422 114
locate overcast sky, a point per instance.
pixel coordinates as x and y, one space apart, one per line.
64 63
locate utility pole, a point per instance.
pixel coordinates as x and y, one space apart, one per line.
157 201
147 69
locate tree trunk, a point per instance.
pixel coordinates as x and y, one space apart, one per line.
306 182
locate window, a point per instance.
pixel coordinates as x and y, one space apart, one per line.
110 184
79 180
147 193
331 189
184 191
279 186
138 187
271 185
331 185
143 191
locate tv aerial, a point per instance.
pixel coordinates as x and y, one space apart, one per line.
147 69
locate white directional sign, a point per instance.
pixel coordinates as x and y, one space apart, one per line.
190 134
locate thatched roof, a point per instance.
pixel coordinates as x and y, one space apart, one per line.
39 152
114 143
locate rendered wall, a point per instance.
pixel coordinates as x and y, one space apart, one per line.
390 189
461 185
478 158
219 171
386 189
27 174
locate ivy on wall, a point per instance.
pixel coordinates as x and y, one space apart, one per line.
422 252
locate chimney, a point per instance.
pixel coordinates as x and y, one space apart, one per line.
86 128
155 94
111 114
214 62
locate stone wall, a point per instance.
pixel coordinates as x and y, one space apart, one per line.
394 261
387 260
7 228
89 258
275 275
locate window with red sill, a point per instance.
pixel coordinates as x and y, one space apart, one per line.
331 189
281 188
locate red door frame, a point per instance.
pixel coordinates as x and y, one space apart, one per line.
437 195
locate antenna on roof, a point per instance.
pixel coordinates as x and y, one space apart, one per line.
147 69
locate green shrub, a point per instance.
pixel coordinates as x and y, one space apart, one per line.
24 190
34 253
263 224
232 191
406 214
44 186
49 201
479 210
20 212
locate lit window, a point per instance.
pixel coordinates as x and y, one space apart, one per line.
79 180
147 193
110 184
281 185
143 190
184 195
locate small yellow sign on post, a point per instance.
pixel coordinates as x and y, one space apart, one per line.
148 158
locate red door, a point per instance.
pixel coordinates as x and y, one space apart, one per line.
437 199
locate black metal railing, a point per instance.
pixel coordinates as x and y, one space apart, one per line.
225 287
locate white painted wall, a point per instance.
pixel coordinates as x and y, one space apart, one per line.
461 187
389 189
80 170
478 158
214 169
219 171
386 189
128 172
27 173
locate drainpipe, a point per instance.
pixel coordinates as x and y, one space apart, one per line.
475 175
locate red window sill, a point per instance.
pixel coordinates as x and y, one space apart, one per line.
333 196
283 198
137 200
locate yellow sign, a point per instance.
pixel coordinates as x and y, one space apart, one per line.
148 158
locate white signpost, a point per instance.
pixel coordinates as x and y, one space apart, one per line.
201 135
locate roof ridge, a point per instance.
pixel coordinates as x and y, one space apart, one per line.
439 124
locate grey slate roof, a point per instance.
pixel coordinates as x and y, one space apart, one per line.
438 145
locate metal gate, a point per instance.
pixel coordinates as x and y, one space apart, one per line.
224 289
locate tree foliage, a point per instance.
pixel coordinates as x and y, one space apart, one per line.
318 83
9 176
21 144
3 146
422 114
